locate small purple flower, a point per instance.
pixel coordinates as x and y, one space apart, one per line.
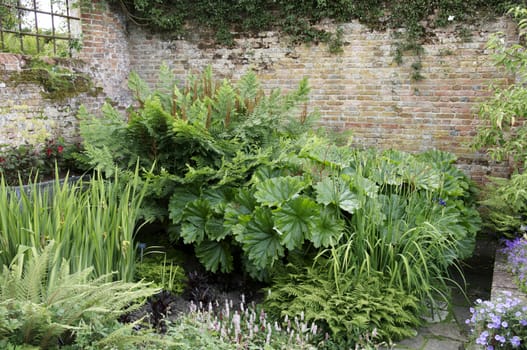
500 338
442 202
482 339
515 341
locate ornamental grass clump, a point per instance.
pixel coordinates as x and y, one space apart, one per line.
500 324
516 251
94 221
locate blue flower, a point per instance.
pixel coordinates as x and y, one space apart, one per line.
482 339
500 338
515 341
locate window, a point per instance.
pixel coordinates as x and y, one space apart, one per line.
39 27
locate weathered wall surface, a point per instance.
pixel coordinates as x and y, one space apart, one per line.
361 89
27 111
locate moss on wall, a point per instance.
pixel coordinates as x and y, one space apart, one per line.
58 83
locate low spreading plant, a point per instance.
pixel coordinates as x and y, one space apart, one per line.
516 252
500 324
163 273
349 314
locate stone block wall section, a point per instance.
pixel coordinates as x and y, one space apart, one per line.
361 89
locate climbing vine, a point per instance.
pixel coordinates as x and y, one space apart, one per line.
297 18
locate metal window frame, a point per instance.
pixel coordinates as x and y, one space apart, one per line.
35 11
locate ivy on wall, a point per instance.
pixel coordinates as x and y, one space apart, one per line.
298 17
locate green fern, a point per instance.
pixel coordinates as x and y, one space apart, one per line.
505 204
360 307
47 302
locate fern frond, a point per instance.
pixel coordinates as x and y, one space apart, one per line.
47 300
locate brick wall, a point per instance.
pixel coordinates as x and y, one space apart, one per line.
105 50
28 115
361 89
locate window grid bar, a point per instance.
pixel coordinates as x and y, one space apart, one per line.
20 33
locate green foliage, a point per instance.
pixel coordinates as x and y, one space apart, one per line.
27 44
202 142
359 308
44 303
162 273
24 162
94 221
403 221
237 173
505 205
503 134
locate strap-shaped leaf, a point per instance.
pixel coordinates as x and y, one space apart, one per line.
326 228
275 191
260 241
337 192
214 256
293 219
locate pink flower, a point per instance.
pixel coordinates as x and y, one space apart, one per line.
60 148
49 151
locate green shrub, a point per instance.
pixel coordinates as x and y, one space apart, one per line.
24 162
357 308
402 222
505 205
205 140
44 303
241 178
503 133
